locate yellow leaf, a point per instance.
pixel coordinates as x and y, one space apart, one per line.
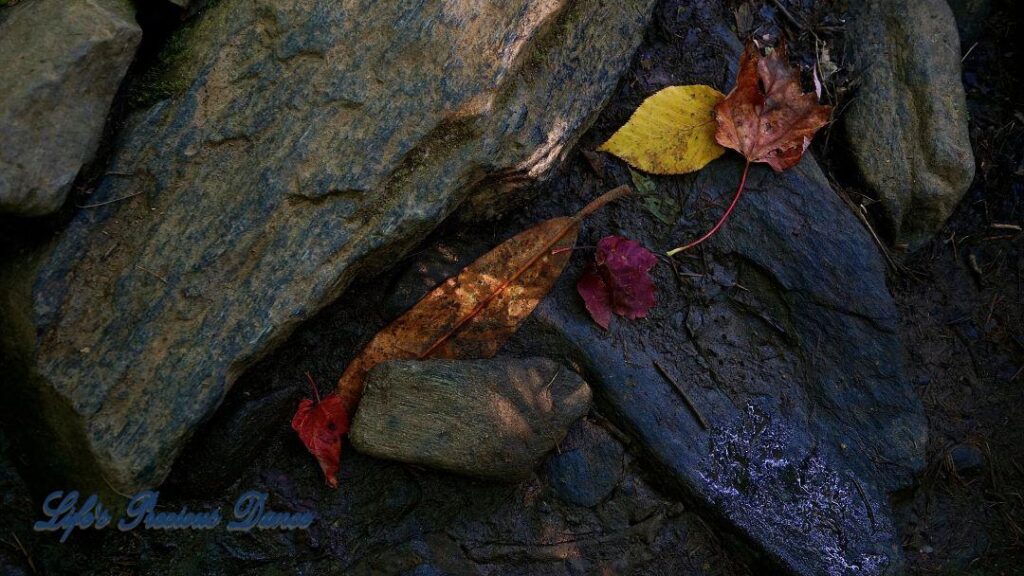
672 132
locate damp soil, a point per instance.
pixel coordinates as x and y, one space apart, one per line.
961 300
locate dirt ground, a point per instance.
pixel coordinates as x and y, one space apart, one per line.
962 305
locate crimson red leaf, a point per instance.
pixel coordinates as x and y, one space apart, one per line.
596 296
618 281
321 425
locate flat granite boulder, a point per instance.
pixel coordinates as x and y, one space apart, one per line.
300 142
906 126
485 418
61 62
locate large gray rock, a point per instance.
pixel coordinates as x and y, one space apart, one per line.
485 418
300 143
61 63
906 126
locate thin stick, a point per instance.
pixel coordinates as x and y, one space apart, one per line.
151 273
24 552
975 45
728 211
864 497
98 204
312 385
686 397
553 378
792 19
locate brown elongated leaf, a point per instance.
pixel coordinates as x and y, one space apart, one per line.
471 315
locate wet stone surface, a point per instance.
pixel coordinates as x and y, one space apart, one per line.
282 149
494 419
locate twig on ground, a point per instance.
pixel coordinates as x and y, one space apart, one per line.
151 273
968 53
553 378
24 552
686 397
98 204
789 16
867 504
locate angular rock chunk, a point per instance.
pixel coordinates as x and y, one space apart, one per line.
302 143
485 418
587 467
61 63
907 124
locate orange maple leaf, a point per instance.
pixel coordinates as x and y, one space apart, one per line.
767 118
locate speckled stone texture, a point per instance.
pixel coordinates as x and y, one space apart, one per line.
299 142
906 126
492 419
61 63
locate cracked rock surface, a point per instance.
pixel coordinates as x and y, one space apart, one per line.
290 145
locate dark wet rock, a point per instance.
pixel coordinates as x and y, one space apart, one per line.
906 126
781 332
966 458
293 146
788 351
485 418
587 467
60 65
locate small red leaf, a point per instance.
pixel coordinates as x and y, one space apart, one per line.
596 296
618 281
320 425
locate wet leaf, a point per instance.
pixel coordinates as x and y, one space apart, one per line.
320 425
768 117
618 281
672 132
473 314
664 208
